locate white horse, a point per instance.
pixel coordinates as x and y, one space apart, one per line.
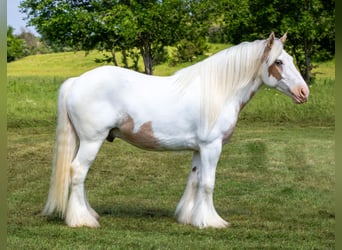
195 109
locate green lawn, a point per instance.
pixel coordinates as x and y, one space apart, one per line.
275 184
275 180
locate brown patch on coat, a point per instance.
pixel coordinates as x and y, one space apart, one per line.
266 53
275 71
143 138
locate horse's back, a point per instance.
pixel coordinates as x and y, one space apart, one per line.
112 80
114 74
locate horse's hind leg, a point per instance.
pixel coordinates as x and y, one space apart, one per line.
79 213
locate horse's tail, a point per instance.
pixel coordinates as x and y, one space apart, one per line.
64 153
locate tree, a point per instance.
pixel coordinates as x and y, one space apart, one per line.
232 22
123 25
15 45
310 24
32 43
115 31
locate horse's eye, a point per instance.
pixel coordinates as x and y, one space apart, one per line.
278 62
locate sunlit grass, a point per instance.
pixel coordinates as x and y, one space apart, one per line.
65 64
325 70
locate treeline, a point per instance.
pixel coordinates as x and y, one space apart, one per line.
146 27
26 43
21 45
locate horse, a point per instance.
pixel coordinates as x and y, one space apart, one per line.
194 109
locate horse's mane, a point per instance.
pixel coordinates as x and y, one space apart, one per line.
224 73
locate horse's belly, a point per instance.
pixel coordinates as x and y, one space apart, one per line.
143 138
150 138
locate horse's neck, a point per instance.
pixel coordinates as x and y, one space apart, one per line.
247 92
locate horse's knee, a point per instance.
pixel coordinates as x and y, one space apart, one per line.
77 173
206 185
207 189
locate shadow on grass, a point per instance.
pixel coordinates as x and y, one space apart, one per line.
125 212
133 211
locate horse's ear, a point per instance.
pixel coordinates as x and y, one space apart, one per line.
270 40
269 43
283 38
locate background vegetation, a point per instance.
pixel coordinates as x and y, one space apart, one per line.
146 27
275 180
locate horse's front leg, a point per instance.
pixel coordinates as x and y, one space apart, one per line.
204 213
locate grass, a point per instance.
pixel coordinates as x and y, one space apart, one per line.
325 70
275 180
55 64
274 184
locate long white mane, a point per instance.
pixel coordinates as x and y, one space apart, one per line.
222 75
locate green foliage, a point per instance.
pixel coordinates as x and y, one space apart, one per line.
116 26
187 51
152 25
25 44
312 33
231 22
15 46
310 25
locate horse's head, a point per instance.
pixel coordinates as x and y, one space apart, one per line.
279 71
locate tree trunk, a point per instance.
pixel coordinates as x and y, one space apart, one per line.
124 58
113 57
135 58
307 49
147 56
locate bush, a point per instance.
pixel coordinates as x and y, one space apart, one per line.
187 51
15 46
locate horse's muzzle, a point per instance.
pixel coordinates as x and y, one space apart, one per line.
300 95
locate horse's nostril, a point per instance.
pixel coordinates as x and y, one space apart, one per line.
302 92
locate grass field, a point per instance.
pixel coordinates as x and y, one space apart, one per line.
275 180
